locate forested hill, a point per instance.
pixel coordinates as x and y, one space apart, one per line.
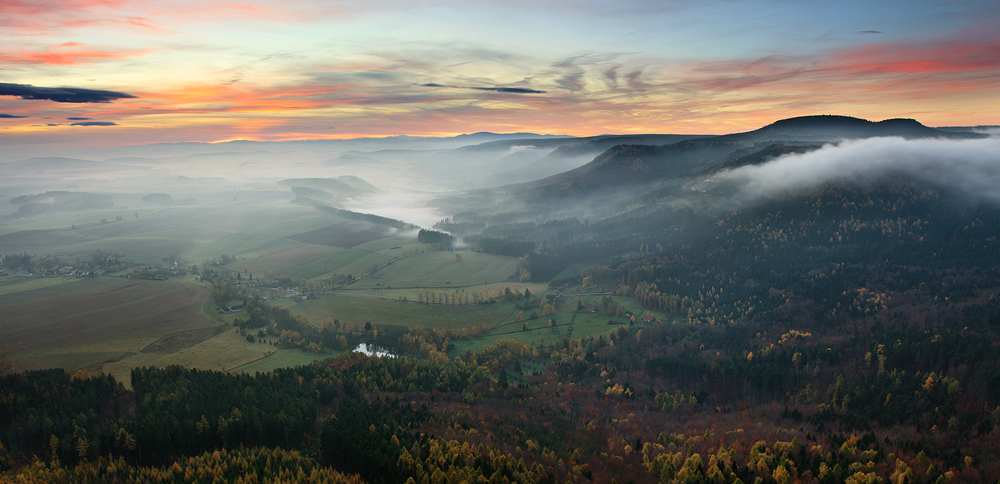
833 128
635 167
627 166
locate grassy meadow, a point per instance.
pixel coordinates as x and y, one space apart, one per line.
283 257
441 270
567 322
283 358
359 310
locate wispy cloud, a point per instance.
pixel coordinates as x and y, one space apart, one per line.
94 123
5 115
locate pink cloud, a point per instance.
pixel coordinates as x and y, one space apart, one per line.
62 57
974 50
909 78
46 16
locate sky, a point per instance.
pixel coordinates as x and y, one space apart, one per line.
129 72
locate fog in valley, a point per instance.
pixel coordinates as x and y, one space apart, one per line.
393 177
654 278
422 181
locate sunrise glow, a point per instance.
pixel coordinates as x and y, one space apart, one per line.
264 70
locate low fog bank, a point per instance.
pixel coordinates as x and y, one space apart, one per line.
402 180
970 168
410 206
395 164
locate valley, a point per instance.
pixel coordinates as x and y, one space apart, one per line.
812 301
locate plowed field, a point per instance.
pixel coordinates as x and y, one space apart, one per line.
116 310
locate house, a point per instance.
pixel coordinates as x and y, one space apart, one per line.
628 314
648 318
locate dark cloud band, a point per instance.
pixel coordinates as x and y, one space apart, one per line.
94 123
515 90
61 94
5 115
511 90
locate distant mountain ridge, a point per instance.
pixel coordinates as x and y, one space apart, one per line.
642 165
833 127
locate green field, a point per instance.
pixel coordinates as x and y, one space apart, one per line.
337 263
439 269
567 324
359 310
285 358
282 257
411 294
241 246
356 260
500 317
393 245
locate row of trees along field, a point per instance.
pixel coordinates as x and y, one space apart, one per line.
98 262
